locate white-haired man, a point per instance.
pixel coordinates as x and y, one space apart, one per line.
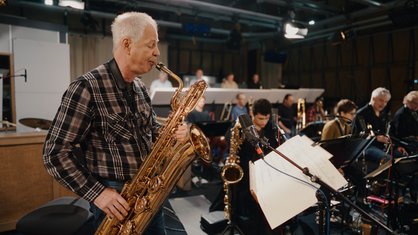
406 121
108 112
374 114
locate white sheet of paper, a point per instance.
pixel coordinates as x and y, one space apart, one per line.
282 197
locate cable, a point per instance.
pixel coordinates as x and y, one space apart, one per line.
12 74
291 176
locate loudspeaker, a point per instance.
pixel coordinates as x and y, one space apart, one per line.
405 17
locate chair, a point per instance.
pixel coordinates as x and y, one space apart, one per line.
64 216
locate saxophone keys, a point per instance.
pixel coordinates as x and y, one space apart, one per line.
126 229
141 205
226 199
155 184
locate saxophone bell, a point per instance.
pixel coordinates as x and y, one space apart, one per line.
232 173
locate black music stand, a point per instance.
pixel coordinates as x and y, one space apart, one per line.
402 167
214 128
347 149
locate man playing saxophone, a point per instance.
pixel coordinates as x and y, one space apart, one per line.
108 112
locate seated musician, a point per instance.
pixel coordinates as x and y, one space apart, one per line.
246 204
316 112
406 122
340 127
200 115
374 114
287 115
240 107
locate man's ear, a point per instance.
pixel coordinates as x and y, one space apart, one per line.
126 44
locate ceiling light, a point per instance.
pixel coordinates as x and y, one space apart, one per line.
295 30
342 36
311 22
76 4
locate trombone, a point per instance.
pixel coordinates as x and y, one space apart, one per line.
228 108
301 123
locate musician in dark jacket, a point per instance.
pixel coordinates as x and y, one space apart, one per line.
374 114
406 121
246 204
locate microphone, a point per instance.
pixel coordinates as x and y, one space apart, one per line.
362 122
251 133
274 118
276 127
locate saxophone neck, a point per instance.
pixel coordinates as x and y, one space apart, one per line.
160 66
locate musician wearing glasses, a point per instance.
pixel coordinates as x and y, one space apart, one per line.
374 116
406 121
338 127
108 112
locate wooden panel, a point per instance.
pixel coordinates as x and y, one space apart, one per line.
25 184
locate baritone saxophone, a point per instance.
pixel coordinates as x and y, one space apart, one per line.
164 166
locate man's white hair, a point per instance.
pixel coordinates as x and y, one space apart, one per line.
379 92
411 96
130 25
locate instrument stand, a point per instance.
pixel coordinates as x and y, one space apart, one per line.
317 180
321 208
232 227
232 224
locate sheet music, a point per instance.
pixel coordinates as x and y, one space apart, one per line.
282 197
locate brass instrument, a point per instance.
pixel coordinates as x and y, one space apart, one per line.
250 103
228 108
232 172
301 123
163 167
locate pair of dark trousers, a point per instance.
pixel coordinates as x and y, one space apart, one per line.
156 227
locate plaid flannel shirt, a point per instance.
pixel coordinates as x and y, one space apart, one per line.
95 114
311 114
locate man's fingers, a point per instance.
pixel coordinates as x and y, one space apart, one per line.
115 212
124 203
121 209
109 213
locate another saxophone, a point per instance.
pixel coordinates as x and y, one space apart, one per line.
164 166
232 173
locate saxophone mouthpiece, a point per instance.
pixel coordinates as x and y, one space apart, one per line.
159 66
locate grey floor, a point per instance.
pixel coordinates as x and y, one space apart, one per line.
188 206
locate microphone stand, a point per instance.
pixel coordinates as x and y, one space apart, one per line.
317 180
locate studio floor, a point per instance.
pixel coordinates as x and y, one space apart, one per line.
183 210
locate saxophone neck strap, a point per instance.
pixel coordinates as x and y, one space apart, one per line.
117 74
121 84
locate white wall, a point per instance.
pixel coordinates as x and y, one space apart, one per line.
48 70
